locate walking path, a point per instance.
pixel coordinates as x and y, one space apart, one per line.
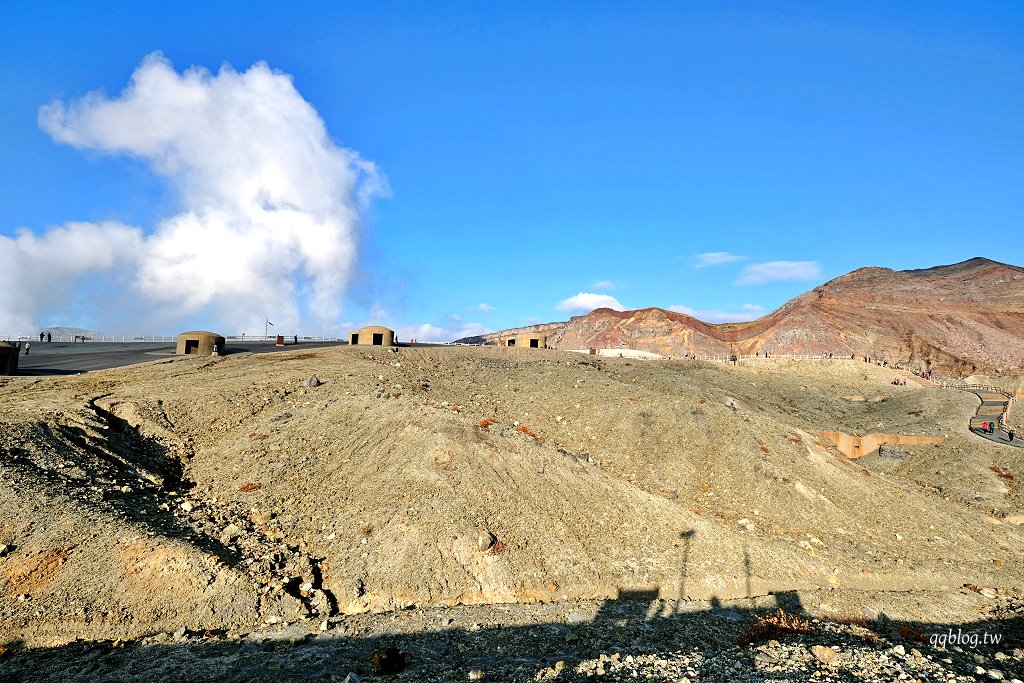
995 403
71 359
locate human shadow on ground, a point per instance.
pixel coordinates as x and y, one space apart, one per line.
636 626
636 632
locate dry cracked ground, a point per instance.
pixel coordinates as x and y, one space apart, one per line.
498 513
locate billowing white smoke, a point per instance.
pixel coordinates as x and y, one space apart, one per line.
37 272
271 206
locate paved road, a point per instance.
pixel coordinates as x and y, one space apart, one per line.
993 408
65 358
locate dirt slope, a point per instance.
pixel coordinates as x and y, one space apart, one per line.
130 496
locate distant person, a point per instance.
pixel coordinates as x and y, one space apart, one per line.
49 337
296 339
28 347
991 425
41 335
984 426
1011 434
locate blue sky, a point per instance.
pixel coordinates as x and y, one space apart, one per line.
529 160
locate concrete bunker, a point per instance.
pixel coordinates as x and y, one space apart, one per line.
528 341
200 343
372 336
9 358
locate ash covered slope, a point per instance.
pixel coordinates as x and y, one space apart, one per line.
223 493
962 318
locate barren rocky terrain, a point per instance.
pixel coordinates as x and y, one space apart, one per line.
497 510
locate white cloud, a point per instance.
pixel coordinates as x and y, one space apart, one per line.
746 312
603 284
779 271
486 308
716 258
271 206
434 333
586 302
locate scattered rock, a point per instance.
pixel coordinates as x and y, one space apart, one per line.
312 382
485 540
825 655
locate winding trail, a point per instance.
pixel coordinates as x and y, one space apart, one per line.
995 403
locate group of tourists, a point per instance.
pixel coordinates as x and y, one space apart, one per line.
45 335
989 427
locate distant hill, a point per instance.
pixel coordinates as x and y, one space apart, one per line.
958 319
492 337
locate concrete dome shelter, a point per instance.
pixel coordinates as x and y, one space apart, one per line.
372 336
528 341
8 358
200 343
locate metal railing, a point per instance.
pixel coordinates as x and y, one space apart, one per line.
150 338
727 357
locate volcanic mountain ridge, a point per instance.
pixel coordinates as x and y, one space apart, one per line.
956 319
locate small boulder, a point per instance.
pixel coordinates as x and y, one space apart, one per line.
312 382
825 655
485 540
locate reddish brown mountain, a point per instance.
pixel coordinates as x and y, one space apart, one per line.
957 319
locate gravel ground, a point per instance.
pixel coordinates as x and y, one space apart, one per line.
622 640
494 510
